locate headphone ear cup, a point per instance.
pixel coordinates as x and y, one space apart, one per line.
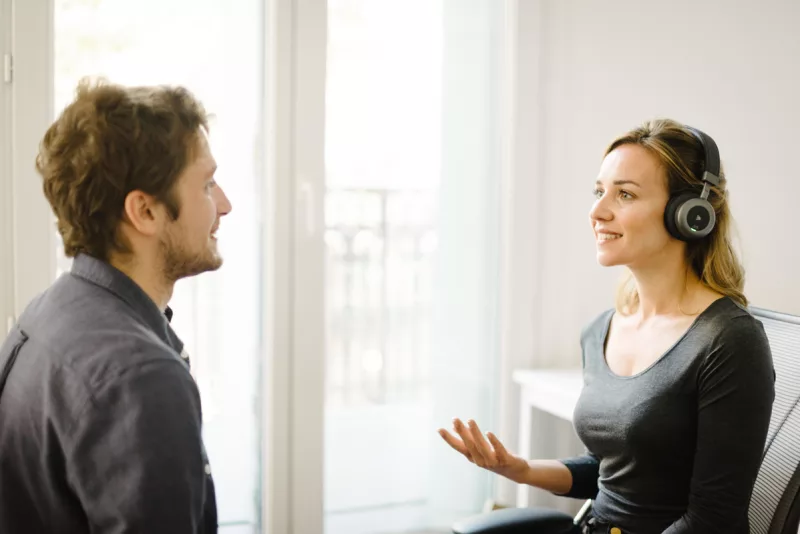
671 211
689 217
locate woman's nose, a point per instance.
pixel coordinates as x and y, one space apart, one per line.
600 210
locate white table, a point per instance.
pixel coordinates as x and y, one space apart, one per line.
553 391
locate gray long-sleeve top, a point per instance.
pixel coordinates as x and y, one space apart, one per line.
676 448
100 419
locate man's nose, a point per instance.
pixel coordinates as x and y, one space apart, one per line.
224 206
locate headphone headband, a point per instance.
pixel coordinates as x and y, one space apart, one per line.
711 156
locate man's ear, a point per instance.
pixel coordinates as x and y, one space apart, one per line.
143 212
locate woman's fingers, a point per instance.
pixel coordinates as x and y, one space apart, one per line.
484 451
454 442
480 450
481 445
469 442
499 449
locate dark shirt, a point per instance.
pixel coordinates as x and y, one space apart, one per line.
676 448
100 418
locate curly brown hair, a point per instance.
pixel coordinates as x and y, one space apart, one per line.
112 140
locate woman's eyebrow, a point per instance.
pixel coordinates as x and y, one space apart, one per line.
621 182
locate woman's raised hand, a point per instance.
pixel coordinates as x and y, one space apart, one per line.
486 452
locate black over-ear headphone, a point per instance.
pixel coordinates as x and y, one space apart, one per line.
688 216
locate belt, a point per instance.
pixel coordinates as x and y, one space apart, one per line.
597 526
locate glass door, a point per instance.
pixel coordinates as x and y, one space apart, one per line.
412 174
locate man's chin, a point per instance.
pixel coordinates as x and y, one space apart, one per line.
215 265
210 265
194 268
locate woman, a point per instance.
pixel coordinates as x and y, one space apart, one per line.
678 378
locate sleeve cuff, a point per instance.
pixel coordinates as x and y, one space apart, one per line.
585 474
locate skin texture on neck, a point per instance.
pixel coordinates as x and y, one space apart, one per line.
146 275
668 291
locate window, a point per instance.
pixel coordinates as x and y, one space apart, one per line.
409 143
411 271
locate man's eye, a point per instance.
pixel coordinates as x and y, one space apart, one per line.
597 192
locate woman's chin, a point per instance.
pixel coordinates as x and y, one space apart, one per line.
607 260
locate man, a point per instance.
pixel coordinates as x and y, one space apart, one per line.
100 419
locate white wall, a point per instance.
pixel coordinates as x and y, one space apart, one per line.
6 235
588 71
609 65
29 113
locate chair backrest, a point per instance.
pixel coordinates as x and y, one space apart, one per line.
774 505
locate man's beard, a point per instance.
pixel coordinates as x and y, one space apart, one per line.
180 262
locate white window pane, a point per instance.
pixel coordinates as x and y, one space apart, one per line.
411 262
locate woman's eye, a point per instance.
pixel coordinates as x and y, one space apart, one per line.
624 195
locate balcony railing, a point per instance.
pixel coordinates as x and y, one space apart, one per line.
380 245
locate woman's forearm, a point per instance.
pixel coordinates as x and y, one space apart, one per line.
549 475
